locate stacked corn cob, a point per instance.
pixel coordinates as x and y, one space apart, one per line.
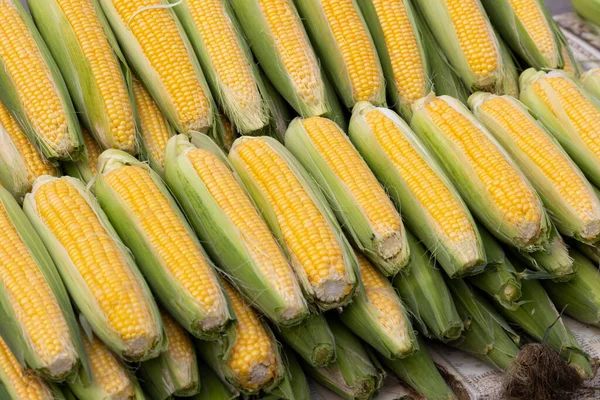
172 235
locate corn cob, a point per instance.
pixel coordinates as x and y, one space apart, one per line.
590 251
377 315
294 385
489 181
466 36
427 298
20 162
400 46
235 234
227 61
340 36
574 207
149 222
487 336
580 297
419 371
154 128
571 66
82 44
360 203
33 90
356 374
281 45
114 299
174 372
300 218
430 205
86 168
528 28
282 113
229 133
499 279
312 340
212 388
591 82
35 308
538 317
148 31
109 379
569 113
249 362
16 382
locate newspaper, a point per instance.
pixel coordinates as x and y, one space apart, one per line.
479 380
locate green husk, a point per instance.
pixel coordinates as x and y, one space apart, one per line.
538 317
401 103
10 329
231 248
514 31
312 340
166 287
579 297
330 53
166 376
591 82
437 16
282 112
419 371
265 47
149 75
427 297
356 374
588 10
487 336
374 323
554 262
294 385
337 112
248 115
62 393
527 236
444 77
499 279
79 169
78 289
510 84
212 388
70 147
558 121
567 216
389 252
325 298
83 85
590 251
457 259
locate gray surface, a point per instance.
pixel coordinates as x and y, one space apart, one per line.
559 6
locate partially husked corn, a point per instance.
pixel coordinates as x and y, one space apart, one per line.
85 169
114 298
361 204
300 219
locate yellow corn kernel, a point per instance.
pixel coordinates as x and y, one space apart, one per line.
582 113
403 48
174 244
99 261
26 385
155 131
252 358
35 163
568 66
452 220
107 372
545 154
474 36
233 200
23 62
93 151
158 35
341 156
229 134
355 45
305 229
382 295
295 49
507 188
94 44
229 61
36 308
532 17
180 347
